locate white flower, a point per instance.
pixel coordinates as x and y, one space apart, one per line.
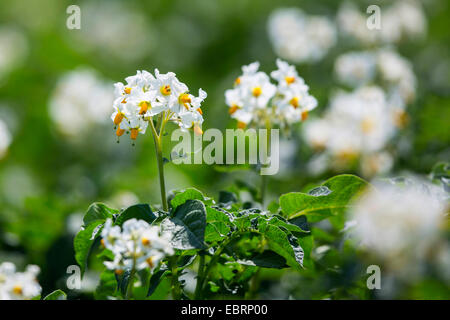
18 285
403 19
144 96
13 49
298 37
137 245
5 138
80 101
399 223
254 97
356 68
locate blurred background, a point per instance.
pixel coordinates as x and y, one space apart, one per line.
58 151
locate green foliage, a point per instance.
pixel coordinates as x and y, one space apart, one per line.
331 198
56 295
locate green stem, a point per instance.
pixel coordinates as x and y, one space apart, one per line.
176 289
263 177
130 285
159 157
214 259
201 269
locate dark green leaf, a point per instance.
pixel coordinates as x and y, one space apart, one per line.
285 244
187 225
267 259
138 211
156 279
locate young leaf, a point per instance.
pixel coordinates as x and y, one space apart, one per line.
138 211
325 201
187 225
156 279
285 244
56 295
218 223
185 195
98 212
83 242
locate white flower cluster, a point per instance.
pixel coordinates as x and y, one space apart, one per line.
362 68
399 223
254 97
80 101
403 19
144 96
5 138
18 285
298 37
138 245
357 125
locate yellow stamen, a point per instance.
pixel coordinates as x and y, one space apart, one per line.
290 80
102 242
134 133
184 99
233 109
145 105
294 102
119 272
237 81
145 241
198 130
127 90
367 125
166 90
124 101
150 262
257 92
305 115
17 290
241 125
401 118
118 118
199 110
119 132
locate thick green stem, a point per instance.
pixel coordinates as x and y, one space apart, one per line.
201 269
130 285
176 289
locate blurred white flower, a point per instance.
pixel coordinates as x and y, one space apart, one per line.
80 101
384 65
138 245
357 125
116 29
13 49
355 68
399 223
402 19
5 138
298 37
18 285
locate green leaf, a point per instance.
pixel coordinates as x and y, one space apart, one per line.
185 195
267 259
83 242
329 199
187 226
98 212
107 285
138 211
123 280
156 279
226 197
56 295
285 244
217 226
